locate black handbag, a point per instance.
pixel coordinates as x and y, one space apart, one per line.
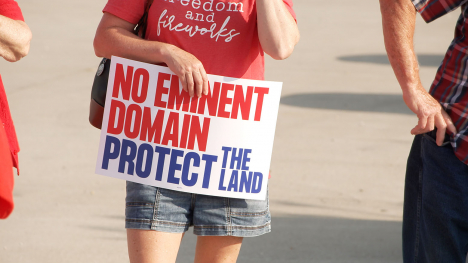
99 89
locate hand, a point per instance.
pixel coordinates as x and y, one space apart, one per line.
429 113
189 69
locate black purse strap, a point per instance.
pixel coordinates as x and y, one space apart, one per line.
140 28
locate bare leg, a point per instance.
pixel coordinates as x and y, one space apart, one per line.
148 246
214 249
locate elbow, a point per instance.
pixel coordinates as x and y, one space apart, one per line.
283 51
281 54
19 53
97 46
16 47
22 53
24 42
24 47
21 49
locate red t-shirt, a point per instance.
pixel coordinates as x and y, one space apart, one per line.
222 34
8 143
10 9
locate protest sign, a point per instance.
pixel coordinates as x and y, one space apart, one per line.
220 144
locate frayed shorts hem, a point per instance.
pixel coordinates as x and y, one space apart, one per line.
237 231
173 227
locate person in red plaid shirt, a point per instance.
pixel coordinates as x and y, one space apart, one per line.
435 215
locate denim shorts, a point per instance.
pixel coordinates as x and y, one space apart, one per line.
154 208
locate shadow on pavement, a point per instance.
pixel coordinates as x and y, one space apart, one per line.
317 239
384 103
425 60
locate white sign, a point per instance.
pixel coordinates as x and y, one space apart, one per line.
220 144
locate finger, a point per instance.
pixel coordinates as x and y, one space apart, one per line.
430 124
421 125
417 130
189 80
450 126
198 83
420 130
441 129
205 80
184 82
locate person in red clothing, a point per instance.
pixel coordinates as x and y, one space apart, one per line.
195 38
14 44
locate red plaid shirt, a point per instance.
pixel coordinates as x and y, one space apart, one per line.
450 86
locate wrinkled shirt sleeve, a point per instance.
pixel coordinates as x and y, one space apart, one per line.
430 10
10 9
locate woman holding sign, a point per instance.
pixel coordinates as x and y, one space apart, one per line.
193 38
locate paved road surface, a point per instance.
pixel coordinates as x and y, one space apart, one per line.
339 155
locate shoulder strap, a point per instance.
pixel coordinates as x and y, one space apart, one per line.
148 5
140 28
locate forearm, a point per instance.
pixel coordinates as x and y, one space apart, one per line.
15 37
114 37
398 20
115 41
277 30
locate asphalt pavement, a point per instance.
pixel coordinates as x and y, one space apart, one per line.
342 139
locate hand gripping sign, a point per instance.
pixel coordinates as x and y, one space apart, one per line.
220 144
